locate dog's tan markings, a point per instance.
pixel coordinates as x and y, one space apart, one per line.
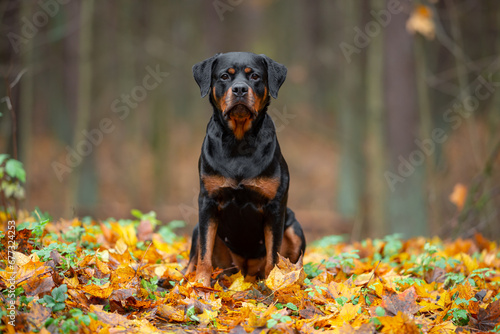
231 71
222 255
240 127
268 239
204 267
213 183
256 101
266 186
251 267
290 248
256 267
248 70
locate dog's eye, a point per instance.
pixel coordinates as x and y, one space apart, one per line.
255 76
224 76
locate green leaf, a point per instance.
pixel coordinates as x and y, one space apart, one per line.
3 157
136 213
15 169
21 175
380 311
58 307
48 299
271 323
59 293
22 226
76 312
174 224
292 306
86 320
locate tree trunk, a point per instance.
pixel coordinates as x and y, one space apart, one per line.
407 210
83 180
375 144
351 171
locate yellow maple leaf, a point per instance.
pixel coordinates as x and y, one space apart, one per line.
121 246
465 291
469 262
103 267
239 284
207 316
444 328
278 279
348 312
401 323
101 291
364 278
377 287
429 306
127 233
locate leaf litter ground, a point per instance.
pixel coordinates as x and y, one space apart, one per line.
83 276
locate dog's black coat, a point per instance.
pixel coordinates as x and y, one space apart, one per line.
244 178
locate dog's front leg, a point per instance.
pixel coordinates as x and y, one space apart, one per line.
207 232
273 236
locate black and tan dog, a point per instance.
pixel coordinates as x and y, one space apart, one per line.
244 221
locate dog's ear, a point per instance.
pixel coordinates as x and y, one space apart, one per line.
202 73
276 75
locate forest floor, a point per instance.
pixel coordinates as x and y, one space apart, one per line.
83 276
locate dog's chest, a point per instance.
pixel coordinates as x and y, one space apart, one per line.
217 185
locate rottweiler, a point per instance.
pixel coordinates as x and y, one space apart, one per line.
244 221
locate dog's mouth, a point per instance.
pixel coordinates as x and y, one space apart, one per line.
239 112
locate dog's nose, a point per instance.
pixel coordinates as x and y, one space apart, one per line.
240 89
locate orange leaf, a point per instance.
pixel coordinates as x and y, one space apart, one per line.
445 327
363 329
399 324
38 314
458 196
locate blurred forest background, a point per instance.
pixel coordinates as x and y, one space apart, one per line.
389 117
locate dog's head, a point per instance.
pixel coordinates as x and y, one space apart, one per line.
239 84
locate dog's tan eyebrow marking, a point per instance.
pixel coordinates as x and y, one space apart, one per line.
231 71
248 70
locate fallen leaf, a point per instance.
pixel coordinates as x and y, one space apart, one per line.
401 323
487 318
38 314
144 230
171 313
404 302
239 284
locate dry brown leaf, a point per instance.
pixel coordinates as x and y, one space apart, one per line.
488 318
404 302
